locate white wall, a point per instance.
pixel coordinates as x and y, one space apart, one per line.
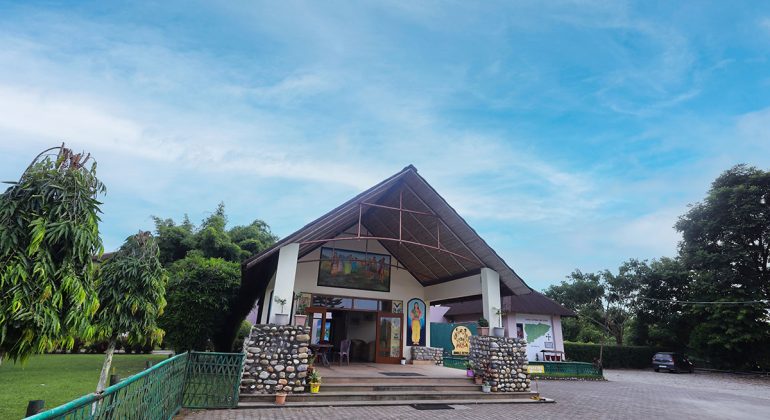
535 345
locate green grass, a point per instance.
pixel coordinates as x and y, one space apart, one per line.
59 378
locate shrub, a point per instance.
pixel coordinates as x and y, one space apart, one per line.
633 357
243 332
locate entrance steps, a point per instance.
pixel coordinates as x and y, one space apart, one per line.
384 390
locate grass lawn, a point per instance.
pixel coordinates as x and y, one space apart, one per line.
59 378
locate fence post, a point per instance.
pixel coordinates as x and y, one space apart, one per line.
34 407
114 379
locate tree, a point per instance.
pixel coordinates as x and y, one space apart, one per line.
49 235
200 293
132 287
726 245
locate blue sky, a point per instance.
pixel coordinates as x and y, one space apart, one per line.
570 135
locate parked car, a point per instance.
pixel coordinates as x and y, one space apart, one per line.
672 362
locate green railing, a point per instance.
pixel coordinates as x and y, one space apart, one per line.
213 380
194 380
568 370
455 362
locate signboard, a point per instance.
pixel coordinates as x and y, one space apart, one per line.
535 369
461 340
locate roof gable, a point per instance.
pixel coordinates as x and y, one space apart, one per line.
415 224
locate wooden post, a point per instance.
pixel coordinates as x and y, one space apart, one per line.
34 407
147 364
114 379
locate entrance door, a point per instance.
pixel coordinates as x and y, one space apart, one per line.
389 341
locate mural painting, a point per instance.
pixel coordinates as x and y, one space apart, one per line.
416 327
354 270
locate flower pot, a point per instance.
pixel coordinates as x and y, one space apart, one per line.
469 373
483 330
300 319
315 387
498 332
478 380
486 388
280 399
282 319
403 361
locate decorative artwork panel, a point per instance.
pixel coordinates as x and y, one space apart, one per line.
415 333
354 270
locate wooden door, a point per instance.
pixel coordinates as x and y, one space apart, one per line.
389 343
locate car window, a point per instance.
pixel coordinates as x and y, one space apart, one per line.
664 357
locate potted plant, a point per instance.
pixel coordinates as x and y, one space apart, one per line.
310 364
499 331
403 360
280 398
469 369
485 387
483 326
299 315
315 382
478 379
281 318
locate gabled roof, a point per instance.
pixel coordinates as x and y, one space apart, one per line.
533 303
437 245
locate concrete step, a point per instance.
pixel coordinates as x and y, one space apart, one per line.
399 386
298 404
335 397
386 380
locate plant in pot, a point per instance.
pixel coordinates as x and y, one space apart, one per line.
499 331
315 382
311 364
483 326
479 374
486 387
281 318
299 315
403 360
280 398
469 369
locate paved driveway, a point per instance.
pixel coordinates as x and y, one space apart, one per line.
625 395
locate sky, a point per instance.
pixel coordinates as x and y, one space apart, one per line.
569 134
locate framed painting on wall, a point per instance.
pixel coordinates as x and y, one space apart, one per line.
354 270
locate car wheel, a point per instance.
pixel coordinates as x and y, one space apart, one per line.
657 370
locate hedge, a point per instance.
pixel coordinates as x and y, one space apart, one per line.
632 357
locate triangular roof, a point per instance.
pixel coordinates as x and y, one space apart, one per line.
437 245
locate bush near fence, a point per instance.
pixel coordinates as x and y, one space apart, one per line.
614 357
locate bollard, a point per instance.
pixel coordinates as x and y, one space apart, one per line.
114 379
34 407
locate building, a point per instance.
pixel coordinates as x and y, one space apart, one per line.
370 269
532 316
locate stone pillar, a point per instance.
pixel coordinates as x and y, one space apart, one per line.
276 359
490 295
502 361
284 279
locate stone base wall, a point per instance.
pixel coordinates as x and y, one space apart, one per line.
502 361
276 359
432 354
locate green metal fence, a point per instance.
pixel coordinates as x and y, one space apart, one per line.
194 380
455 362
213 380
568 370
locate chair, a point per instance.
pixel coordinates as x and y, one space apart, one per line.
344 351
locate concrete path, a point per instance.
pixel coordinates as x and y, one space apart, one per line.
625 395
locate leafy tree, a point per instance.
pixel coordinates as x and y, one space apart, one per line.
726 244
131 288
49 235
602 300
200 294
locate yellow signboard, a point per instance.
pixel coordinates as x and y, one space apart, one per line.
461 340
535 369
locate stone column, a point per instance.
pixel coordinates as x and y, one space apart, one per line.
284 279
